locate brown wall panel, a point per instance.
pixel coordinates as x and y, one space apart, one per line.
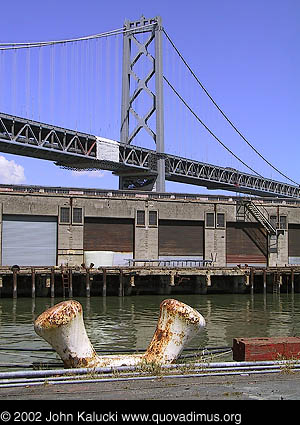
246 243
180 237
108 234
294 240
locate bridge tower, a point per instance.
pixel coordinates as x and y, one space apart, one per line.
129 116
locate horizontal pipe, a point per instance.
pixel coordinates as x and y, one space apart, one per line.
142 378
227 369
205 353
82 371
111 351
13 365
186 356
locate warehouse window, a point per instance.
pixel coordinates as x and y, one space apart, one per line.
77 216
140 218
65 215
152 218
220 220
210 220
273 220
282 222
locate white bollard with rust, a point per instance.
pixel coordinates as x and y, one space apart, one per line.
63 328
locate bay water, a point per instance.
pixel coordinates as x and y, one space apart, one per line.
116 324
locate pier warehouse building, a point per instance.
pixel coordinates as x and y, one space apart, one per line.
63 227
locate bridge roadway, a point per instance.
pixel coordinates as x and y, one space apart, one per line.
72 149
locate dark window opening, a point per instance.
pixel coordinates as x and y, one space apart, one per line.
282 222
77 215
220 220
64 215
210 219
140 218
152 218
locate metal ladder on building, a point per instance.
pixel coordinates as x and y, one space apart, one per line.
65 277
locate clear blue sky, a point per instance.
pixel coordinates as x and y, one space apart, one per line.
245 53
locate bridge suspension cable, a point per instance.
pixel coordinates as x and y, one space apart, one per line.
224 115
208 129
11 46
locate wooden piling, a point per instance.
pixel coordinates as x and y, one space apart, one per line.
52 293
265 280
15 285
292 280
132 277
33 283
104 283
121 286
279 282
70 283
87 284
252 280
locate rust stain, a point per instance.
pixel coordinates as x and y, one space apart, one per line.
58 315
168 332
175 308
162 337
77 362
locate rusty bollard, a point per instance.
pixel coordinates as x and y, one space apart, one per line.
63 328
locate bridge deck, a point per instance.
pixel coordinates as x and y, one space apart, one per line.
72 149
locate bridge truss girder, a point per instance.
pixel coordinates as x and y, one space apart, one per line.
75 150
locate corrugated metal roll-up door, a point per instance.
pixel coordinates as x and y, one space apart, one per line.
29 240
180 238
108 241
108 234
294 243
246 243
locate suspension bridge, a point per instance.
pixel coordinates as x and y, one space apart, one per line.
61 102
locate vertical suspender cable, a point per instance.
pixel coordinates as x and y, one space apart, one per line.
81 111
86 86
40 73
90 74
108 88
117 100
79 71
1 79
52 83
64 82
96 95
175 108
74 74
28 52
76 71
139 69
180 111
104 88
89 83
14 81
100 116
185 119
92 85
